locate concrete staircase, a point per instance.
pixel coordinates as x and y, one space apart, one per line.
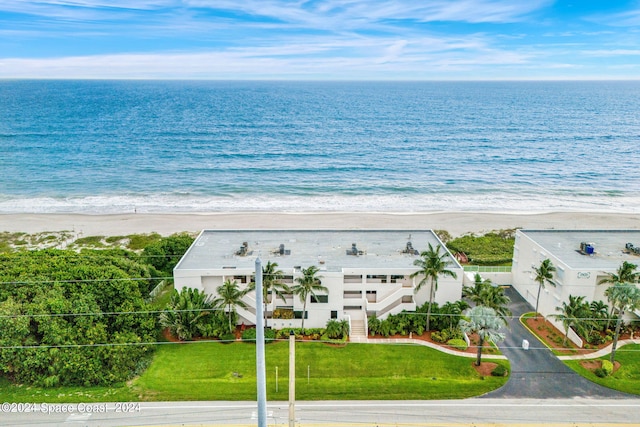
358 334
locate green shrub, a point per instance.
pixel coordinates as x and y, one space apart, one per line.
607 367
269 335
437 336
595 338
228 338
499 371
249 335
458 344
601 373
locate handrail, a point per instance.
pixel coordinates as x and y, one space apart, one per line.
488 268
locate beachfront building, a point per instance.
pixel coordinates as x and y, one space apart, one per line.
365 272
582 259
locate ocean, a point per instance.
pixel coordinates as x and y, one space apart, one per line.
206 146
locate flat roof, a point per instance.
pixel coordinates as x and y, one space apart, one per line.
326 249
609 246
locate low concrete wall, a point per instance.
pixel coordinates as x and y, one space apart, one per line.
500 279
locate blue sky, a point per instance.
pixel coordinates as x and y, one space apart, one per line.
321 39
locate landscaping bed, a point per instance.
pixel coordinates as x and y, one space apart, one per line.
553 338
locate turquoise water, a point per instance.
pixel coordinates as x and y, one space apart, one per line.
152 146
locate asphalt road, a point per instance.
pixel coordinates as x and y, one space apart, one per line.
537 373
451 413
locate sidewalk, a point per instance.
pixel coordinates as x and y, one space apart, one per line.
602 352
365 340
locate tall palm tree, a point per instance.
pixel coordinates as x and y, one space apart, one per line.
625 297
626 273
486 323
544 274
308 285
431 265
574 314
229 297
271 283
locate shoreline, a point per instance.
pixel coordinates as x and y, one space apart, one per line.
456 223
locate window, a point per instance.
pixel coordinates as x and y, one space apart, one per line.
334 314
298 314
319 298
240 279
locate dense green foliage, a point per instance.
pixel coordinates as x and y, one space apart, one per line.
72 318
191 314
495 248
164 254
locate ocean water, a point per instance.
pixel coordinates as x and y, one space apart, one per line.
202 146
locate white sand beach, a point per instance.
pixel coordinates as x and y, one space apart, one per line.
456 223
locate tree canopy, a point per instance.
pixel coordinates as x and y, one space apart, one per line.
74 318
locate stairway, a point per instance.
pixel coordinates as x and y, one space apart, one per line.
358 334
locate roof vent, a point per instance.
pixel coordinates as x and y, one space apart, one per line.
587 248
631 249
354 250
410 250
281 250
244 250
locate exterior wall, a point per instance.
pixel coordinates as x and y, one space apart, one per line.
581 281
374 291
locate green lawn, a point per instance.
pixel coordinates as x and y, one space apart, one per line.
626 378
214 371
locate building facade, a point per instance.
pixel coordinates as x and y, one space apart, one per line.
582 259
365 272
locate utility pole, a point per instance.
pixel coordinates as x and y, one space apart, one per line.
260 363
292 379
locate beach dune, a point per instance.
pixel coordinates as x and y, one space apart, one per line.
456 223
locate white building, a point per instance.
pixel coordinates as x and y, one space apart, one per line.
366 272
578 268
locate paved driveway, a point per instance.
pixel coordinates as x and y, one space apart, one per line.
537 372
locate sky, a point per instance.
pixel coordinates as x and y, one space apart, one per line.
321 39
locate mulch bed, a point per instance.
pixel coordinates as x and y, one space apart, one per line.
594 364
551 335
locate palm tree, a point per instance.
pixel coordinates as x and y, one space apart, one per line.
186 313
472 293
308 285
271 283
574 314
599 311
544 274
484 293
229 297
626 273
453 310
625 297
431 265
486 323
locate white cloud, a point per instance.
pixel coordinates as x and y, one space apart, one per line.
330 58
